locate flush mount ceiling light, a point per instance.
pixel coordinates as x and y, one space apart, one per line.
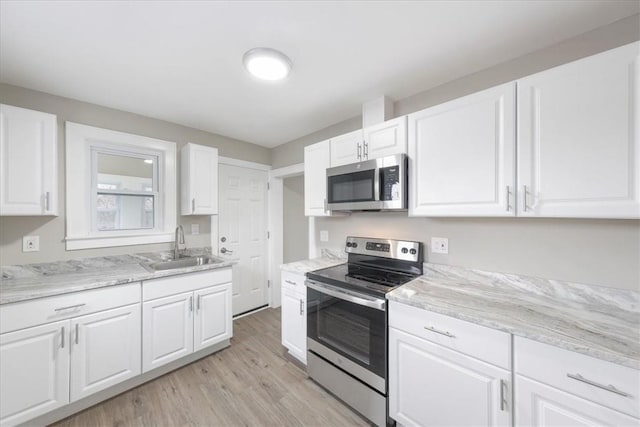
266 63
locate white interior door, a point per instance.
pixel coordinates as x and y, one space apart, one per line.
242 233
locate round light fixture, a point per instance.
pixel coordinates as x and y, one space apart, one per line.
266 63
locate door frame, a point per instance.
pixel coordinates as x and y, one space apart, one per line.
276 229
215 218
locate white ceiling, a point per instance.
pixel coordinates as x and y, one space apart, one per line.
182 61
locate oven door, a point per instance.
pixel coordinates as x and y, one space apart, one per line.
349 330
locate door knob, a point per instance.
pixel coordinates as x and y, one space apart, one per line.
226 251
223 239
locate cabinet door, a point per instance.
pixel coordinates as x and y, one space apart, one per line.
579 127
294 322
540 405
167 330
34 371
430 385
199 180
386 139
316 161
347 148
105 349
462 156
28 162
213 319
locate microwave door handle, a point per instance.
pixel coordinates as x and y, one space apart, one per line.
378 304
376 185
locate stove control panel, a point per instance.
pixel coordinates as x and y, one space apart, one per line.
387 248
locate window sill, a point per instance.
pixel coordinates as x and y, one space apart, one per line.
93 242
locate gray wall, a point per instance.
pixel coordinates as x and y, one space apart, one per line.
295 231
52 229
604 252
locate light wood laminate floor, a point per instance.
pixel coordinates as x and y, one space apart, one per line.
250 383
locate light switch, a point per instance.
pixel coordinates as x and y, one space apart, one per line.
439 245
195 228
324 235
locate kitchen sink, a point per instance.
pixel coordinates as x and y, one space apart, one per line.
190 261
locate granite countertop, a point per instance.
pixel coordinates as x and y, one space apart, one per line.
328 258
31 281
592 320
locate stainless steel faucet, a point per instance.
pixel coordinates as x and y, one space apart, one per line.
179 239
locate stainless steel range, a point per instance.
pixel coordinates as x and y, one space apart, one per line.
347 321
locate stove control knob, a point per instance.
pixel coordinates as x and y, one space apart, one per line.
404 250
349 244
413 251
354 245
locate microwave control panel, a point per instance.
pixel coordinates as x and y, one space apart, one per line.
390 183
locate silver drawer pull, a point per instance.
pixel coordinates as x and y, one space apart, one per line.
69 307
77 333
445 333
291 282
503 400
609 387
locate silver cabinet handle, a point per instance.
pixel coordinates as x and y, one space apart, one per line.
508 199
62 340
46 201
503 403
609 387
198 302
365 151
191 303
326 205
193 205
291 282
69 307
524 199
226 251
301 307
445 333
77 333
359 151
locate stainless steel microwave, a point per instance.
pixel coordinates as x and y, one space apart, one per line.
373 185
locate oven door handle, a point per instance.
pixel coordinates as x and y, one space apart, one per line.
377 303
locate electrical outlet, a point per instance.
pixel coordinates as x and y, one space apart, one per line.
439 245
195 228
30 243
324 236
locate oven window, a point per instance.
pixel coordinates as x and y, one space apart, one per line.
354 331
346 331
351 187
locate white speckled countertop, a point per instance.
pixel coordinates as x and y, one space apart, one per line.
596 321
328 258
31 281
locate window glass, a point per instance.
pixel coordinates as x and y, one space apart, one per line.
117 172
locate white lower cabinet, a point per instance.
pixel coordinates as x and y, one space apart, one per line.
294 315
105 350
541 405
430 385
34 371
167 330
181 323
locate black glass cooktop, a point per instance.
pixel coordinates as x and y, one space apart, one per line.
368 279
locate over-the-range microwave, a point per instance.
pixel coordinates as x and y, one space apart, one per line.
373 185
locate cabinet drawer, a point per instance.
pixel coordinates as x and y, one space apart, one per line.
25 314
293 281
474 340
552 365
163 287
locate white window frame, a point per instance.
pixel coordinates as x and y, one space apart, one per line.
81 143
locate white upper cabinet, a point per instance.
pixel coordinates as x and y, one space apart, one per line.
579 127
385 139
199 180
317 159
462 156
347 148
28 162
